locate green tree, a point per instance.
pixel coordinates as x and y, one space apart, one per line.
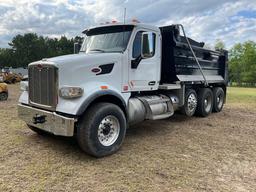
242 63
6 58
219 45
31 47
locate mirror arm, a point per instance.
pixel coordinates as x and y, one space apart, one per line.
77 48
136 62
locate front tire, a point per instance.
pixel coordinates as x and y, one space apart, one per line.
101 130
205 102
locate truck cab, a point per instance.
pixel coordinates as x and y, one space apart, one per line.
117 79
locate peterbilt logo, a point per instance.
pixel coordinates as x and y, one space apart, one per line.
96 70
39 67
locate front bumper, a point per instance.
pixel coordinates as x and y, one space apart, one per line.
47 121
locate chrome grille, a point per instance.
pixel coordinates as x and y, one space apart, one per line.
43 86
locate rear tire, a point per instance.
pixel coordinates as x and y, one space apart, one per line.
218 99
101 130
190 104
205 102
3 96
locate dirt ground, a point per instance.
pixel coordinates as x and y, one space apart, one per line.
217 153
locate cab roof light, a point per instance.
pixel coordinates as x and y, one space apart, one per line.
135 21
104 87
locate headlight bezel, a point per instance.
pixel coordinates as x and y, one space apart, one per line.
24 85
71 92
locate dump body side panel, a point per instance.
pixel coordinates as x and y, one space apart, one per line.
178 63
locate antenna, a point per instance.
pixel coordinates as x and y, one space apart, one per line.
124 23
124 14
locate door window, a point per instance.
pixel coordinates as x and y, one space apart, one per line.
136 51
137 45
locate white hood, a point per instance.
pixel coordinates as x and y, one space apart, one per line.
82 58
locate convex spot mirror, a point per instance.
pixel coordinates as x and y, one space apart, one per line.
148 45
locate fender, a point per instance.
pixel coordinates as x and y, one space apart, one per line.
97 95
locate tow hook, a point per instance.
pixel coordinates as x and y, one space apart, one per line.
39 119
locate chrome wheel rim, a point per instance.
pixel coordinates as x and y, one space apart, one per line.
192 102
108 130
220 101
208 103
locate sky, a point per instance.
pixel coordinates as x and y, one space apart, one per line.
231 21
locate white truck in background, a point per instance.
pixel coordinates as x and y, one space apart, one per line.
123 74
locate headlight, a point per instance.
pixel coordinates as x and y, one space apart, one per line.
24 86
71 92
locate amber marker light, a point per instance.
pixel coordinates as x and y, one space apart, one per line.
103 87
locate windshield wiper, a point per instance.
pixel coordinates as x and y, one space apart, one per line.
99 50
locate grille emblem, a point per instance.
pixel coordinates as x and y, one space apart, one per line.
39 67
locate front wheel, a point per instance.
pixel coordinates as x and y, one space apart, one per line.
102 129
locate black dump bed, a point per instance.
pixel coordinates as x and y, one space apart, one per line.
178 63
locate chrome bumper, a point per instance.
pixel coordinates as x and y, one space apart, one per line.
47 121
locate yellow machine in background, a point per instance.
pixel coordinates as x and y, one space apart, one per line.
11 78
3 90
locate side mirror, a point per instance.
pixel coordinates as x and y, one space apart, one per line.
148 43
77 48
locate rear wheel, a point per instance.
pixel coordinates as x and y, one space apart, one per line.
102 129
3 96
190 104
205 102
218 99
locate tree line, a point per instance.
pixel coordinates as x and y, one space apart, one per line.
242 64
31 47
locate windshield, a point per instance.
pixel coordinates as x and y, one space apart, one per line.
107 39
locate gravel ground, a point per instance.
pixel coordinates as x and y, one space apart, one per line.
217 153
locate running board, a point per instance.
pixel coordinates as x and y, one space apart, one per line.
162 116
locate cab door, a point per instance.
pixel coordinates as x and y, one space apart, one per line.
144 70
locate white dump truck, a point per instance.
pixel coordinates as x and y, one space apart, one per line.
122 75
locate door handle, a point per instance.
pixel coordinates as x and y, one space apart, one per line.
151 83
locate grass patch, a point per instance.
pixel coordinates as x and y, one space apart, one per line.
239 95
